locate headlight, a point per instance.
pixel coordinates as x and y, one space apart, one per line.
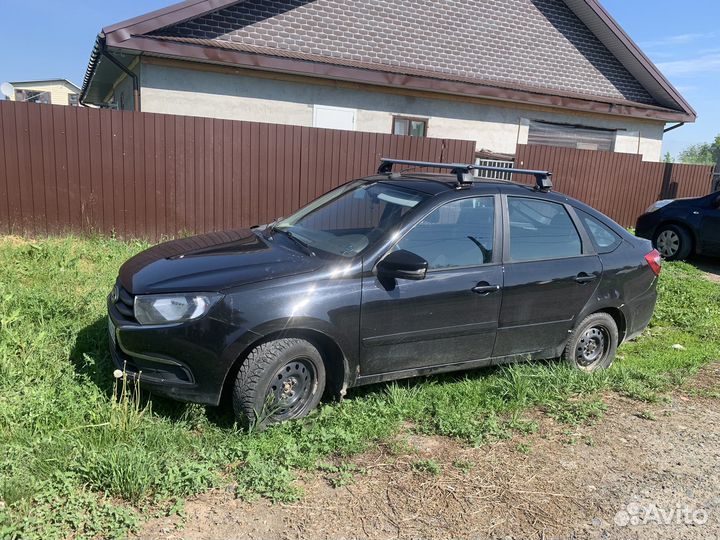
173 308
658 205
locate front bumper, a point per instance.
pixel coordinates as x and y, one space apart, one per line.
646 225
185 362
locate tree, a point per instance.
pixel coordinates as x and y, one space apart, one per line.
668 158
701 154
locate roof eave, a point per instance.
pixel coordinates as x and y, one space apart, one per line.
168 16
389 79
61 80
595 9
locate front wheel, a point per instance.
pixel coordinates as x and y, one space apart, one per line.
674 243
593 343
279 380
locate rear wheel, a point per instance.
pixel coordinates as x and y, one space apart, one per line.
593 343
673 242
279 380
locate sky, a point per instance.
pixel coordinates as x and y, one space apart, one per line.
45 39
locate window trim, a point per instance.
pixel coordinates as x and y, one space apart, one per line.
586 246
498 225
397 117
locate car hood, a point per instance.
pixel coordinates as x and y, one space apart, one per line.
681 200
212 262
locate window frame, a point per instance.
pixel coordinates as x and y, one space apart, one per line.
498 225
587 248
409 119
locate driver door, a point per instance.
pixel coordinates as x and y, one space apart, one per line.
451 315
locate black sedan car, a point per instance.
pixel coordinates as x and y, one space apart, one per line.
390 276
682 227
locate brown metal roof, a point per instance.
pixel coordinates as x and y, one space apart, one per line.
140 35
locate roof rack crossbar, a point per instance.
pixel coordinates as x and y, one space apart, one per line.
463 171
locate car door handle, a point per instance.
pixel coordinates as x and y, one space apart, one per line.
484 288
582 277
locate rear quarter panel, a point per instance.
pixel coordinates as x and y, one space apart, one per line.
628 284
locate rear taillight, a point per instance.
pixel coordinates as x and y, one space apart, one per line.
654 261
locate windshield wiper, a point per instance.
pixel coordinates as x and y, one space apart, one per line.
304 245
271 226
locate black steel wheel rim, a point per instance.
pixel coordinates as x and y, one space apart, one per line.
592 346
290 389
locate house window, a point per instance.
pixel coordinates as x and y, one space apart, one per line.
415 127
32 96
571 136
73 100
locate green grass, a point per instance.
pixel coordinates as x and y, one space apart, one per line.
78 463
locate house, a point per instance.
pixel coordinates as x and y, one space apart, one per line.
52 91
500 72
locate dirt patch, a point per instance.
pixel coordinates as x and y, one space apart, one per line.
710 266
642 471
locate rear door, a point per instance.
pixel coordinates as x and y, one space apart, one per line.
451 315
551 271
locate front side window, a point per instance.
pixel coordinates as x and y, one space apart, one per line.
347 220
458 234
541 230
603 238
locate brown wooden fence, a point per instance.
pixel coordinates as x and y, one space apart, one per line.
66 169
150 175
621 186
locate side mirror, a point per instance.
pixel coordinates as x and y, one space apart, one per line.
402 265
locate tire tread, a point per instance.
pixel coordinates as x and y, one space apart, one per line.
247 382
569 351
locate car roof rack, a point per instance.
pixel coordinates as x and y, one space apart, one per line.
543 180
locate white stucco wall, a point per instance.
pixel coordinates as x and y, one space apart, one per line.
175 90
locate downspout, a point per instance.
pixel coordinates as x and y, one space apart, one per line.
680 124
136 82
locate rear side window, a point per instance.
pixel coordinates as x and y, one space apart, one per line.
459 233
603 237
541 230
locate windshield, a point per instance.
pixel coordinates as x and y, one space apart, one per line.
347 220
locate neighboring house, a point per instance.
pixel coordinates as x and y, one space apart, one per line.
51 91
500 72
